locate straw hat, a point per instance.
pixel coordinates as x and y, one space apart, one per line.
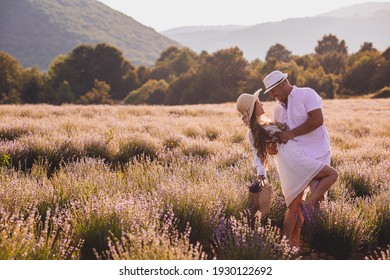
273 79
246 104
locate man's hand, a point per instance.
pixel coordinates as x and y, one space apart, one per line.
287 135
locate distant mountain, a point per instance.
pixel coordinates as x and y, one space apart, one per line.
187 29
36 31
370 9
356 24
201 38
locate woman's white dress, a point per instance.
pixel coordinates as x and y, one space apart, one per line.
295 169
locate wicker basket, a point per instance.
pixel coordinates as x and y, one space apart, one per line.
260 201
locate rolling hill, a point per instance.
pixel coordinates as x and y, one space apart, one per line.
355 24
36 31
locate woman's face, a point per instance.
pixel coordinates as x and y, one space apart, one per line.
259 110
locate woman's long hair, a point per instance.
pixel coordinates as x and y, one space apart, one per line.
260 136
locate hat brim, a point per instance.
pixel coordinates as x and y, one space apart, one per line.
275 85
255 97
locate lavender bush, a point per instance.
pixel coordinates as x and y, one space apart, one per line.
93 181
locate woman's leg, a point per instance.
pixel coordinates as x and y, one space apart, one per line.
296 236
293 221
312 186
327 176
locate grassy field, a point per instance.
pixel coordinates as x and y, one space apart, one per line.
154 182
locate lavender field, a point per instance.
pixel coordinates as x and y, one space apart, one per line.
155 182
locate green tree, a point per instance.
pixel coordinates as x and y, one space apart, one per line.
11 74
279 52
152 92
99 94
333 63
308 61
48 95
254 79
361 68
32 85
214 78
86 63
58 72
111 67
386 54
332 54
142 73
230 66
381 78
367 46
81 75
64 94
331 44
205 87
179 88
329 86
324 84
172 63
269 66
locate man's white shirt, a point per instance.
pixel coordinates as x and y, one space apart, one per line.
301 101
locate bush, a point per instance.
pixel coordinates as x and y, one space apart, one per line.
197 149
340 230
212 133
12 133
383 220
94 225
382 255
171 142
247 239
359 184
136 148
97 148
382 93
158 241
24 236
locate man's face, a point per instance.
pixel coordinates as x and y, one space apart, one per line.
278 92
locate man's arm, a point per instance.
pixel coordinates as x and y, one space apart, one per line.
315 120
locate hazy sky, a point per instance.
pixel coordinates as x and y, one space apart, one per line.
165 14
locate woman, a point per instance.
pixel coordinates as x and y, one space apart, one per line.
295 169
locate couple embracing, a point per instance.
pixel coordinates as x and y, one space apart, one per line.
299 142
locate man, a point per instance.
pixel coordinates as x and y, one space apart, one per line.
300 109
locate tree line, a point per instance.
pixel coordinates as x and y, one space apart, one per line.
101 75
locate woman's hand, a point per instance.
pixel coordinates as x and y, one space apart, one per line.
272 148
262 181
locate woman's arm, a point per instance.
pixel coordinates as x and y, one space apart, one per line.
261 172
